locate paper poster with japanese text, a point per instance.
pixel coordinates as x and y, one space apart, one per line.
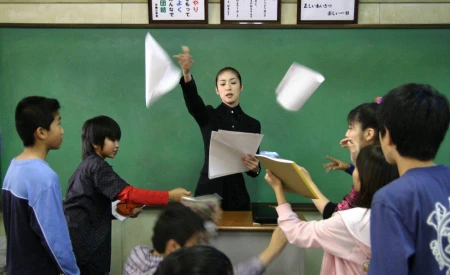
327 10
251 10
178 10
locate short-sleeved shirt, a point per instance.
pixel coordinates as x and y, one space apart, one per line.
412 218
87 207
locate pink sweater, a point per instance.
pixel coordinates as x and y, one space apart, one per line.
345 238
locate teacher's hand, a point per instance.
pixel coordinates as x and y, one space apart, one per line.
185 60
251 162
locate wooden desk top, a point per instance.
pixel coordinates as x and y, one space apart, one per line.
243 221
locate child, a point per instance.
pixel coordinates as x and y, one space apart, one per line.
35 227
412 211
196 260
92 188
178 226
345 237
362 130
227 116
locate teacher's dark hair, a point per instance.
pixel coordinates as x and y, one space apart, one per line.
229 69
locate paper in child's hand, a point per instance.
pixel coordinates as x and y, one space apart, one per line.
208 206
123 211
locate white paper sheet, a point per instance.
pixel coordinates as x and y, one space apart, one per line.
116 214
161 75
226 149
297 86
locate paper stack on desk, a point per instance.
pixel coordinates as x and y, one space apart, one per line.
226 149
292 177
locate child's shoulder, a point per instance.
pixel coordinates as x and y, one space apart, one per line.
93 161
32 168
415 181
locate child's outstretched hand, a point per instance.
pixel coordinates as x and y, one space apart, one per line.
273 180
352 146
275 247
177 193
278 240
335 164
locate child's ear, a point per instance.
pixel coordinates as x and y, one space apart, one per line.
172 246
370 134
95 146
40 133
217 91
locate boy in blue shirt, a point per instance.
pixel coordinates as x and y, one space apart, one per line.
410 215
38 240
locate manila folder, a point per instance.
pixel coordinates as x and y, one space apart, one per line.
287 171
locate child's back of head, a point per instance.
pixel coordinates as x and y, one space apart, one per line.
33 112
196 260
417 118
176 222
374 173
95 130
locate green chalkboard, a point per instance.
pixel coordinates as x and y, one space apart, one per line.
101 72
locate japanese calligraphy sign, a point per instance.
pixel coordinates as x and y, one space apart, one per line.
178 11
327 11
250 11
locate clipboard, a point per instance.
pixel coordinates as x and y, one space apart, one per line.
290 175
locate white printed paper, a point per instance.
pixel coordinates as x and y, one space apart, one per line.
297 86
226 149
161 75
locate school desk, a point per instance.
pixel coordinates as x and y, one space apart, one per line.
240 240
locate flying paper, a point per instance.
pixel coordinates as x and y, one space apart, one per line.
161 75
297 86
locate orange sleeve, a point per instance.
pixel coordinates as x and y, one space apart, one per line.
135 195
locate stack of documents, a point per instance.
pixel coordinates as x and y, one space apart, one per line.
292 177
226 149
297 86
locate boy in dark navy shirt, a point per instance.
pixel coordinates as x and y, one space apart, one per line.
410 216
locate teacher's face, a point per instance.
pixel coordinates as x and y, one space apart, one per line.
229 88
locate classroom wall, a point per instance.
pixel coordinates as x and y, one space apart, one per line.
135 11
